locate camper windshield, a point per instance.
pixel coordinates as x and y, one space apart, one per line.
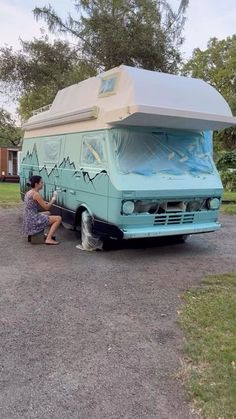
158 151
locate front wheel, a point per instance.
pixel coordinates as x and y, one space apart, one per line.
89 240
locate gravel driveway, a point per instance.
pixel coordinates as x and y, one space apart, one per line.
95 335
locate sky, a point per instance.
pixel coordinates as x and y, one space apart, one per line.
205 19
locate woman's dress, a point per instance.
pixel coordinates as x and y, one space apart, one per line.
33 220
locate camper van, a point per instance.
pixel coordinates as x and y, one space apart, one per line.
132 148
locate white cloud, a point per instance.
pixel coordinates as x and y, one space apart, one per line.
17 20
15 23
9 10
205 19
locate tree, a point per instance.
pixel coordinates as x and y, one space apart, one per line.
107 33
10 134
138 33
217 66
35 73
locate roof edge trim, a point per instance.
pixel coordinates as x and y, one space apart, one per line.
61 119
120 115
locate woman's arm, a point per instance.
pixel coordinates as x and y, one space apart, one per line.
45 205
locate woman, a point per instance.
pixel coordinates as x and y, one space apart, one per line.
33 220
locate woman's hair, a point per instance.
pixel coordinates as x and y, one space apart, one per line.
33 180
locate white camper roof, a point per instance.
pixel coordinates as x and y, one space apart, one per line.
132 96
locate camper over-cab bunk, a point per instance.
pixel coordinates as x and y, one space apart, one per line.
133 149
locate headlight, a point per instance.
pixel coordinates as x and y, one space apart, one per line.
128 207
213 203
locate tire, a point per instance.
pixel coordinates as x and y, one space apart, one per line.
89 240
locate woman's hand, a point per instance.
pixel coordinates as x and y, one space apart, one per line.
54 196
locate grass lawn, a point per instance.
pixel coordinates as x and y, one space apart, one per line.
209 322
229 208
9 194
229 196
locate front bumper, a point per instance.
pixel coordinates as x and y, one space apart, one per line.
103 229
160 231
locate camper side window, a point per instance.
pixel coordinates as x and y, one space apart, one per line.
51 149
93 151
108 85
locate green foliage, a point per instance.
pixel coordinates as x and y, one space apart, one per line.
208 319
226 163
107 33
113 32
228 179
35 99
37 71
217 66
227 160
10 134
226 139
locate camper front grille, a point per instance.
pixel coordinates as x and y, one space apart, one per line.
177 218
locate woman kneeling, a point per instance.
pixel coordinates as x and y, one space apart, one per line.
35 221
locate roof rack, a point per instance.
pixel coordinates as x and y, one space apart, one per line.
42 109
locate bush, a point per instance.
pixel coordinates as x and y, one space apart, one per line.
228 178
227 160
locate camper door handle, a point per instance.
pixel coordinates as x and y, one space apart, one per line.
72 192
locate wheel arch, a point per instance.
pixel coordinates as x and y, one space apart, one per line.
79 211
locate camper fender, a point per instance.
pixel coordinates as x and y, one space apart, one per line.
100 227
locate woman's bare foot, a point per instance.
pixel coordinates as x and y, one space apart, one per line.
51 241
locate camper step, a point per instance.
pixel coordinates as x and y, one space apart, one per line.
37 238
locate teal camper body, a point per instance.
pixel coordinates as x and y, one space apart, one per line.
133 148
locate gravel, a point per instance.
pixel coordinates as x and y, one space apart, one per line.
92 335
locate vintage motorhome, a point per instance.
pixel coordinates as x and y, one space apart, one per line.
133 148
